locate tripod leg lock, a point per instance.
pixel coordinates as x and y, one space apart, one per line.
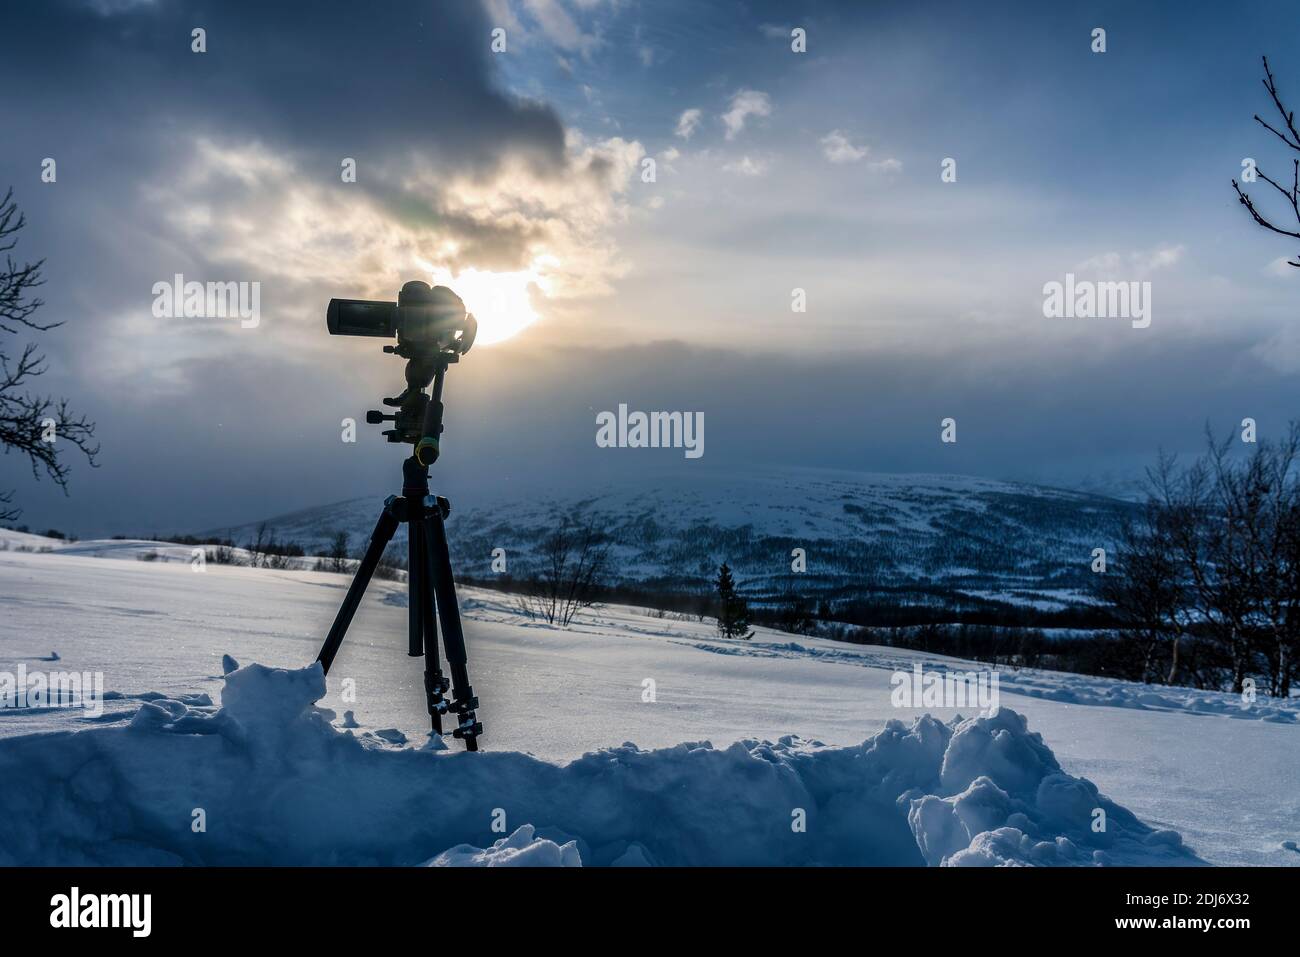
468 726
436 686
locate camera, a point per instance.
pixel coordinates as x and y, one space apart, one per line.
425 320
433 331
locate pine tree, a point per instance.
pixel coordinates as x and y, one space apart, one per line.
733 610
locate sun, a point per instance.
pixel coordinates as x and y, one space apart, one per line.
500 301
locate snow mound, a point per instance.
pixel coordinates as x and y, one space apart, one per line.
267 779
520 849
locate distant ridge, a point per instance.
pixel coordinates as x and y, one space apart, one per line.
913 537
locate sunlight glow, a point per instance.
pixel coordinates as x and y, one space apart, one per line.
499 300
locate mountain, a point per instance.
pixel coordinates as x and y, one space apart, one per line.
869 539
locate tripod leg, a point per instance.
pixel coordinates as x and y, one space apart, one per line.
415 584
453 639
379 540
422 600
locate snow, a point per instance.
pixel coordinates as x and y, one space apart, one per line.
137 549
520 849
1006 542
790 721
278 784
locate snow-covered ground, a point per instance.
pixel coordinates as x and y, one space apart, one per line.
290 786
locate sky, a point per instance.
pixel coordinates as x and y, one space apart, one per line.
628 195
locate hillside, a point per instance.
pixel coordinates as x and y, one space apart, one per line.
896 539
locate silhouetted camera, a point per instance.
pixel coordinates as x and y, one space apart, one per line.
424 320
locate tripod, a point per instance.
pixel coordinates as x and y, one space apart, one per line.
430 585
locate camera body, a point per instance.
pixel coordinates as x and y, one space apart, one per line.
433 331
426 321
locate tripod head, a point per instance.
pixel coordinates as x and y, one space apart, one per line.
418 419
433 330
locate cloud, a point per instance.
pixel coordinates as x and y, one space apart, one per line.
837 148
562 29
1133 265
1281 351
444 101
746 166
501 15
1160 257
688 122
226 166
744 104
255 215
774 31
240 179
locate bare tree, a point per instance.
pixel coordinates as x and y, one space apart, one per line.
1291 137
572 570
257 548
338 553
1290 581
1215 560
268 551
30 424
1213 546
1144 588
222 555
1250 550
1270 489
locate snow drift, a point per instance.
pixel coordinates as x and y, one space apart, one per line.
267 779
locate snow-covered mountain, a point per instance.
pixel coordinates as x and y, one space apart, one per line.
898 539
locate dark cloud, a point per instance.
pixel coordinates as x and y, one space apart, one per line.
327 75
113 92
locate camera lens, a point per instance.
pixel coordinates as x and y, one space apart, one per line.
361 317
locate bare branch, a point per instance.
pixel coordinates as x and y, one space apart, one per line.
1291 137
38 427
1271 85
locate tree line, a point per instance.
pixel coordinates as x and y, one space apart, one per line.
1205 582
